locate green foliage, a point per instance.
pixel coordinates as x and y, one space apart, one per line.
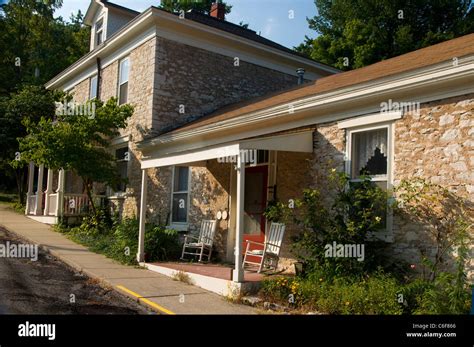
78 142
119 239
368 31
44 44
202 6
375 294
358 209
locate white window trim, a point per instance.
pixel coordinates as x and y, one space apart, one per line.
118 78
386 235
111 194
370 119
90 86
102 18
180 226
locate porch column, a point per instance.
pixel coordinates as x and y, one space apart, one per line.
49 189
239 227
31 176
39 192
141 230
60 194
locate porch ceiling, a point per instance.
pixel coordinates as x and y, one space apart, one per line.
293 142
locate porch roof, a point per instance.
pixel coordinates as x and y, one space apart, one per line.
292 142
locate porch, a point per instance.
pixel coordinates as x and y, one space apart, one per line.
47 199
216 278
247 183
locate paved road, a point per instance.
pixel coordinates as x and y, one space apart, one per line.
45 287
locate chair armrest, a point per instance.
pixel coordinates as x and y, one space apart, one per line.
271 244
255 242
191 237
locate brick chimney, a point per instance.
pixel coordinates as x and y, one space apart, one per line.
218 10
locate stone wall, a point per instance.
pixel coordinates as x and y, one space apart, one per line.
437 144
204 81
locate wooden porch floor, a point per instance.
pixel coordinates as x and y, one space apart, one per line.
212 270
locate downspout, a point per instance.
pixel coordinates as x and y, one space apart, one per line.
99 66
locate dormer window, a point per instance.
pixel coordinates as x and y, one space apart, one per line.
99 32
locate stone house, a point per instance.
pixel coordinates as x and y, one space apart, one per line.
206 90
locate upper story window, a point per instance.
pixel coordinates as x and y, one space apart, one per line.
93 88
99 32
124 70
180 193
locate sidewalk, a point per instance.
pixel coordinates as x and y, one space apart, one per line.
154 290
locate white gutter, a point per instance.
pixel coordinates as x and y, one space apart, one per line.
439 72
156 13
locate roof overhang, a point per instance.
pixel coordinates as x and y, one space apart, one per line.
170 26
435 82
295 142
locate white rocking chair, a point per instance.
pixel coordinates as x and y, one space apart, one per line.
201 244
270 254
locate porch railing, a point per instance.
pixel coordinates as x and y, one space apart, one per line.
31 204
52 203
78 204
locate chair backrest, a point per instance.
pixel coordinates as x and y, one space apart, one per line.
275 238
208 229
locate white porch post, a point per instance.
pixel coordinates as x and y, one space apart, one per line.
239 228
49 189
39 192
60 194
143 204
31 176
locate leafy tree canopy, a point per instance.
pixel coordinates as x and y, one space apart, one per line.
356 33
78 142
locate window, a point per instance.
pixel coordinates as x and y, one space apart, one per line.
122 157
93 88
99 32
369 152
179 200
123 81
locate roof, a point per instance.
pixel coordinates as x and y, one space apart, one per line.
238 30
424 57
95 4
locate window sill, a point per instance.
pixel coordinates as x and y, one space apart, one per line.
117 196
179 227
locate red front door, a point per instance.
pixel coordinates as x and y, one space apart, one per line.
255 204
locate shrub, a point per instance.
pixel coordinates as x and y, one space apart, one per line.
120 241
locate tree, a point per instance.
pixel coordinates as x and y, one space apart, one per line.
78 143
356 33
202 6
31 102
34 47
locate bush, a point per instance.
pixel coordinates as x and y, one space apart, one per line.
120 240
375 294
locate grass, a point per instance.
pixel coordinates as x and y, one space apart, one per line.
11 200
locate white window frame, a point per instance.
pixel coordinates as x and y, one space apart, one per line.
119 84
120 143
101 32
387 234
90 87
180 226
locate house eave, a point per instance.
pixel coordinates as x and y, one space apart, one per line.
317 108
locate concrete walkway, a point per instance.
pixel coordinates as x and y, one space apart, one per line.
152 289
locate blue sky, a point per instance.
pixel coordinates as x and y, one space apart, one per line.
269 17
